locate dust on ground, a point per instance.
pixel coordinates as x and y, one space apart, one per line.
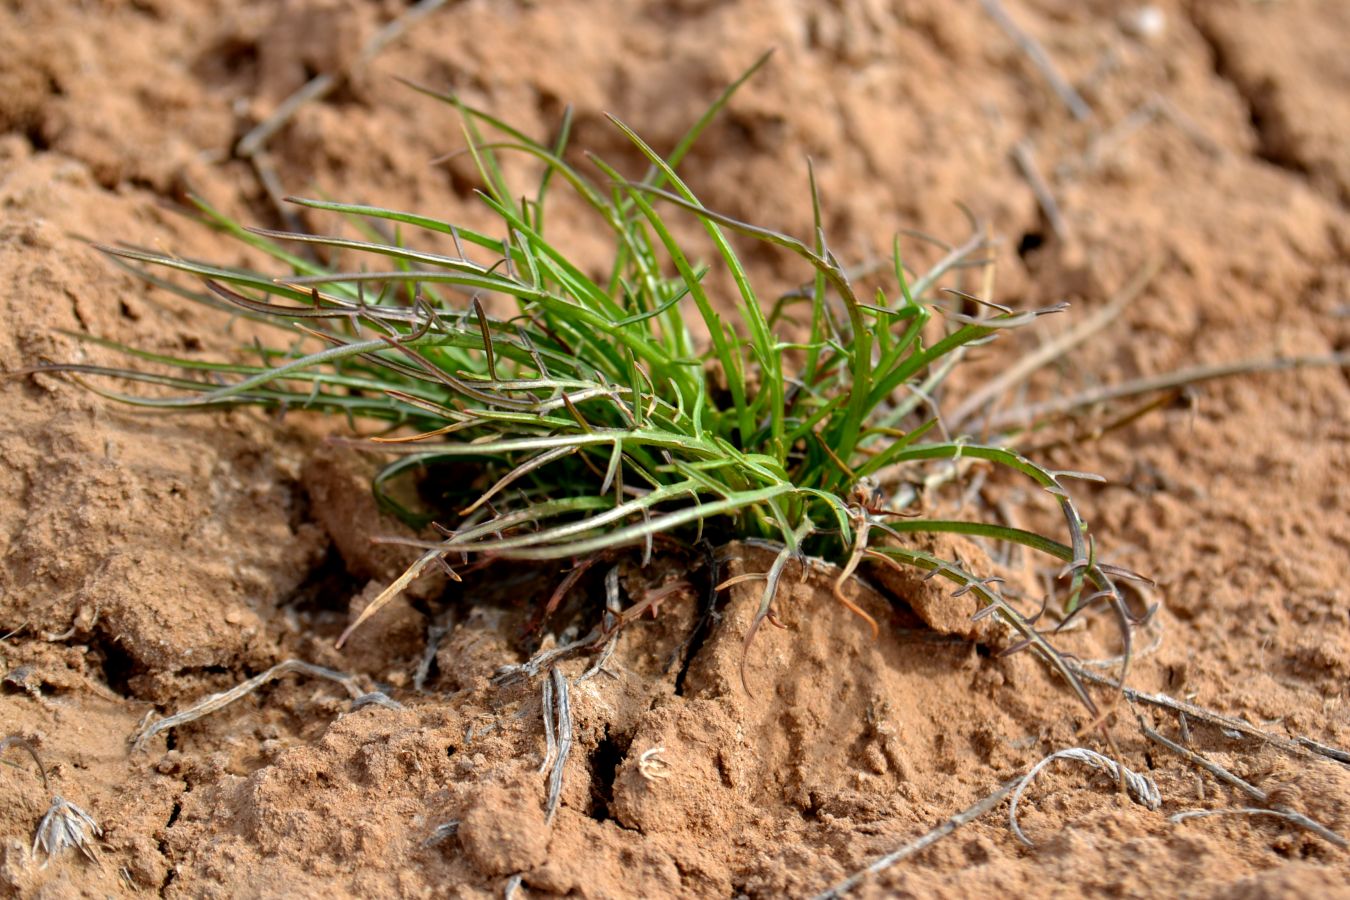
150 560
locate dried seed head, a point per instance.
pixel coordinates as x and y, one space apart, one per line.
65 825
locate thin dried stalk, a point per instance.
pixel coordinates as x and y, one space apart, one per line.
215 702
564 728
1036 53
1025 157
544 659
1185 814
1246 787
1140 787
550 732
1300 746
964 817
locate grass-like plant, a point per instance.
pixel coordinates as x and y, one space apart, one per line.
594 417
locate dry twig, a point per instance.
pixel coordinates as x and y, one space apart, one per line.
1025 158
564 737
544 659
1246 787
1037 359
1036 53
1178 378
210 704
1329 752
962 818
1300 746
1141 787
550 734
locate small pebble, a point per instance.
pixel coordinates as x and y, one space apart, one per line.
1148 23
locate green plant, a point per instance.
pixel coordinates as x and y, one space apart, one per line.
594 419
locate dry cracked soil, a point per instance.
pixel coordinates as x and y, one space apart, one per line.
149 560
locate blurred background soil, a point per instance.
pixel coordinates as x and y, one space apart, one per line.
148 560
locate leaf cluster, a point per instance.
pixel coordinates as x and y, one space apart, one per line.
594 416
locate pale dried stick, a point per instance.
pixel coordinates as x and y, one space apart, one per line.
564 727
1175 379
613 606
1236 811
1141 787
323 84
1246 787
1025 158
263 167
514 672
1156 107
550 734
1036 53
1300 746
1053 349
214 702
376 698
434 636
1330 752
962 818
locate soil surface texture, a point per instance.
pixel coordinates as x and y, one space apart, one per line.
149 560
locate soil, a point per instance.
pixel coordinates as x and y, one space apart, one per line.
149 560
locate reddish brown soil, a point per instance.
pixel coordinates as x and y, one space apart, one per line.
150 560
